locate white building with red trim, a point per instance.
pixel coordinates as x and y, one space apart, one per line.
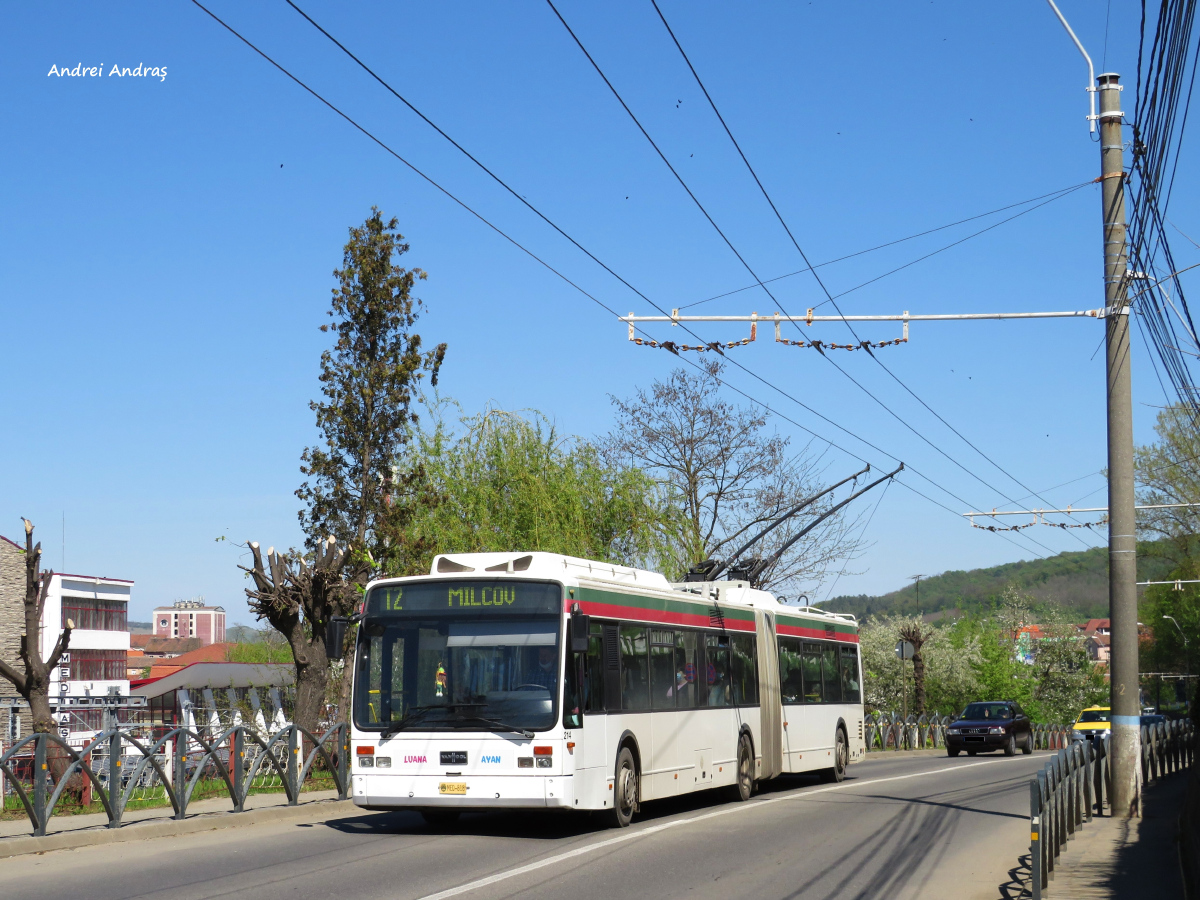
94 666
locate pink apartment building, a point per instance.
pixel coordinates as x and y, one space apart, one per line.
191 619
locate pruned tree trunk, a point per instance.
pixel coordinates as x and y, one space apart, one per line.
916 634
312 680
32 680
299 599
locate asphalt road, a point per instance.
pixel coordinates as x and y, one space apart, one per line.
928 827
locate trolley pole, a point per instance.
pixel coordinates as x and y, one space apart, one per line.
1122 538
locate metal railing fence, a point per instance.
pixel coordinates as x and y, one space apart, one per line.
116 768
891 731
1076 784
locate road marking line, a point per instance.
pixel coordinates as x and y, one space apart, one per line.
653 829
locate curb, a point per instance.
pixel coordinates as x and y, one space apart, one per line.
901 754
148 829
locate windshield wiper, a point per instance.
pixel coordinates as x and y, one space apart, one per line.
414 712
499 726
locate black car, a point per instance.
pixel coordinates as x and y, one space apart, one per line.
990 725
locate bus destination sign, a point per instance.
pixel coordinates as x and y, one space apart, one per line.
482 597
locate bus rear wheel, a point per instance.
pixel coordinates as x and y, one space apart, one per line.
741 789
625 790
841 756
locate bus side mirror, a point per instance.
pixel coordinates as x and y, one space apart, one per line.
335 636
580 625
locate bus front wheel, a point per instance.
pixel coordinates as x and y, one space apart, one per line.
625 789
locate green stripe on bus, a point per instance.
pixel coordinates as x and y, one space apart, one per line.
660 604
700 608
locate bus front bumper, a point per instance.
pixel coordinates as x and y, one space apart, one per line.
376 791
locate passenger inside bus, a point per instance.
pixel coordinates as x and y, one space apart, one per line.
540 668
718 683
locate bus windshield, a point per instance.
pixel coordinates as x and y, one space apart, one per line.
462 655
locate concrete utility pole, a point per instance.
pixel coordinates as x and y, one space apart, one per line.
1122 529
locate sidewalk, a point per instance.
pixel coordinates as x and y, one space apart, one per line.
65 832
1125 859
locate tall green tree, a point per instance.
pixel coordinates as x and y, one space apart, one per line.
503 481
1168 471
364 417
1047 671
368 381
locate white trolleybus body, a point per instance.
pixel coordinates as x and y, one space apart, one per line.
506 680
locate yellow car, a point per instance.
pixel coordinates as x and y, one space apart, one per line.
1092 724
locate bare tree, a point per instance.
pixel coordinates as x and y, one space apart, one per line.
33 684
728 475
298 598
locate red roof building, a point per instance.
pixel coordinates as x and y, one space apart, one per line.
213 653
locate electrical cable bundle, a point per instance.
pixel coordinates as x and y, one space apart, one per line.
1167 59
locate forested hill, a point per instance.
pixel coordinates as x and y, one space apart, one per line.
1076 581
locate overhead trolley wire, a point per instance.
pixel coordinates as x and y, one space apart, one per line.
830 297
553 270
529 252
1053 194
734 249
1057 196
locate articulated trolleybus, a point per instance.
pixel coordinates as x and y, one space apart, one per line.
505 680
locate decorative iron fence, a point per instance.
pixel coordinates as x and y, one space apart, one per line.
891 731
1076 784
116 768
1051 737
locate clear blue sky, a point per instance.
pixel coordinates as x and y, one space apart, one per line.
168 246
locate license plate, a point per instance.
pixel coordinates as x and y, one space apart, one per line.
452 787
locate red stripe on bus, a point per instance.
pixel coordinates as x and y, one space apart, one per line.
818 633
615 610
658 615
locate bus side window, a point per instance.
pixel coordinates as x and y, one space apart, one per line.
851 692
791 681
635 675
593 684
829 671
686 669
662 668
812 673
716 658
745 671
